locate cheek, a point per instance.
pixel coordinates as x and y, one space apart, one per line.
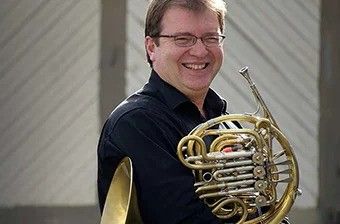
166 61
172 61
171 57
219 55
175 55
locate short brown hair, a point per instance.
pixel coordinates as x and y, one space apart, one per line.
157 9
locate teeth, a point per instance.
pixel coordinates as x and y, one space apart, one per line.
195 66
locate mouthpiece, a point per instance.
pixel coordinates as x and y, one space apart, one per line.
243 70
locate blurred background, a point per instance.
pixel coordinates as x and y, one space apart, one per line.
65 64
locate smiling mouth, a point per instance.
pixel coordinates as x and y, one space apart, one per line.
195 66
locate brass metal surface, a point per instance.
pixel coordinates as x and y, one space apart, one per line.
121 201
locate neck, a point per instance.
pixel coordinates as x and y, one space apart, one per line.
199 102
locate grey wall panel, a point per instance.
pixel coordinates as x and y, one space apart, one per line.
49 96
329 200
279 41
112 55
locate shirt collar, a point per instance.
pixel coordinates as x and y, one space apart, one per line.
215 103
171 96
174 98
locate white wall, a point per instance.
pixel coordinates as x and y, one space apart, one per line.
49 101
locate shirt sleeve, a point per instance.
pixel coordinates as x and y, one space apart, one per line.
165 188
108 156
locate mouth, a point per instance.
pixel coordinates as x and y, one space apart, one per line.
195 66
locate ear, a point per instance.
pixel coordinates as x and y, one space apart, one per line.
150 46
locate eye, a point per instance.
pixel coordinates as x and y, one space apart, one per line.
212 39
184 40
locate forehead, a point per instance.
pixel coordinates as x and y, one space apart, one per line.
178 19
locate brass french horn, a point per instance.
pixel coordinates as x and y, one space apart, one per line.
248 174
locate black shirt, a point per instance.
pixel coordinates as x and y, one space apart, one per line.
147 127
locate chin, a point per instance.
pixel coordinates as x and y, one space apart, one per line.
198 87
201 84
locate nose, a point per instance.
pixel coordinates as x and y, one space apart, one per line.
198 49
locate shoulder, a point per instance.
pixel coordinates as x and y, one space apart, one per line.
137 110
134 125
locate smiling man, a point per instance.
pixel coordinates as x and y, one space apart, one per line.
184 46
188 52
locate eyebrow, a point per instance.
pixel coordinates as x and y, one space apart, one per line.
188 33
182 33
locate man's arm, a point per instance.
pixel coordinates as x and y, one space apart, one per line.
164 186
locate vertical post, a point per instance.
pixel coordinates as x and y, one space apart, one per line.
329 88
112 55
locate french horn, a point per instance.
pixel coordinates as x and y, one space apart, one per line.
247 174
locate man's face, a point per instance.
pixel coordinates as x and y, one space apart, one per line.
189 69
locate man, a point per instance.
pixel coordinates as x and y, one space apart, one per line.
183 40
184 45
